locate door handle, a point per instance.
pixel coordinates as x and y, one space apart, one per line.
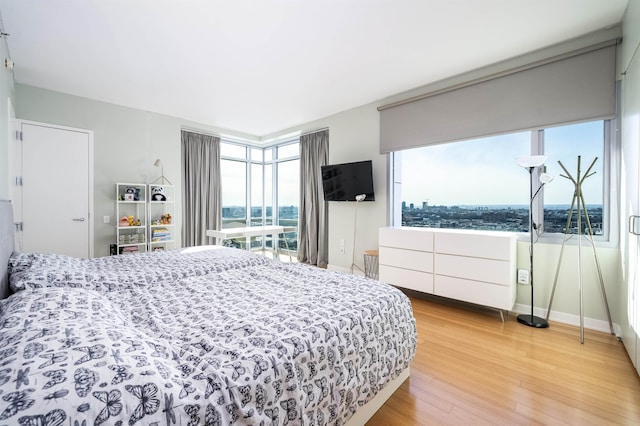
632 225
78 219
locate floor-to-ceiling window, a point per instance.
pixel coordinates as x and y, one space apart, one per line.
260 186
287 163
233 173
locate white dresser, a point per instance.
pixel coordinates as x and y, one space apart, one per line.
472 266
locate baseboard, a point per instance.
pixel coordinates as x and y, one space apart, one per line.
570 319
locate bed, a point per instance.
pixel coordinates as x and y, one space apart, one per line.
204 336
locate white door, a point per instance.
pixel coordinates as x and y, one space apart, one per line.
56 190
631 213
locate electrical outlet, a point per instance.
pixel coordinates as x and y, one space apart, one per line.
523 276
106 219
342 246
341 250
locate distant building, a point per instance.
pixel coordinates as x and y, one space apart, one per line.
404 205
425 204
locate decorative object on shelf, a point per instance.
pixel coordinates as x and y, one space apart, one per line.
581 208
531 163
129 194
162 178
158 194
123 221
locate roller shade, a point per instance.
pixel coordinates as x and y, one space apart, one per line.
574 88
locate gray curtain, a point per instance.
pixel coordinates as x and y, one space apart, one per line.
201 194
313 228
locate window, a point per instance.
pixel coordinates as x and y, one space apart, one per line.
288 189
260 186
257 194
564 144
467 185
234 193
476 184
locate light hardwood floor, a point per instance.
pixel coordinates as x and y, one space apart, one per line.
471 368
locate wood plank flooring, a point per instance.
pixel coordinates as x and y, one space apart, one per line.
471 368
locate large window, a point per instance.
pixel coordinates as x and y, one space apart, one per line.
476 184
288 189
260 186
564 144
233 174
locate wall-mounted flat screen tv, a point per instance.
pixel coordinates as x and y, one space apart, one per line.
342 182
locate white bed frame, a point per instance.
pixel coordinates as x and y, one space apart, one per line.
364 413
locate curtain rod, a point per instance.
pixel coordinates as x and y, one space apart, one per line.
267 142
314 131
510 71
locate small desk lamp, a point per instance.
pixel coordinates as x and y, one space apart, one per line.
158 163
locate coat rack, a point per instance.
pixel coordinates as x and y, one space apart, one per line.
581 208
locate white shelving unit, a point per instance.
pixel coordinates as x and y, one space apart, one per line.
160 217
131 217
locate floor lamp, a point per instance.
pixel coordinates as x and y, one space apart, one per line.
359 198
530 163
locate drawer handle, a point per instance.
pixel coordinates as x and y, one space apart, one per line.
632 225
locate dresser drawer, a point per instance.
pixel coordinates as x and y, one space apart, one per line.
406 278
407 238
407 259
499 247
487 270
496 296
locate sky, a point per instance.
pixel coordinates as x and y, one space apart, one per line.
484 171
234 187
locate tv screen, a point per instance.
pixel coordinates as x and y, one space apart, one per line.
342 182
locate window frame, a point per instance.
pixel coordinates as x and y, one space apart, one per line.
610 199
274 160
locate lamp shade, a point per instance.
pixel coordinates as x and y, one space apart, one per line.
546 178
531 161
158 163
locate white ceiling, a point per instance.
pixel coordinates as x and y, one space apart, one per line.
261 66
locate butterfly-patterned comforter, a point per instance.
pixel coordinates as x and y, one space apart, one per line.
266 344
36 270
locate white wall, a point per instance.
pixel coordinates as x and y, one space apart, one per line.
6 97
127 141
